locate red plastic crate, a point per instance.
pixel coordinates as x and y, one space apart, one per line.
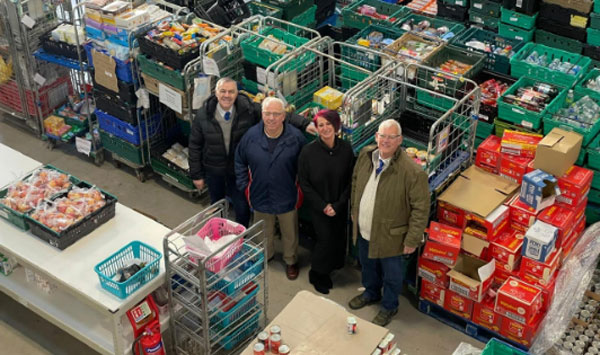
51 96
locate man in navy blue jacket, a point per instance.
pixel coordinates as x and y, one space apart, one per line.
266 165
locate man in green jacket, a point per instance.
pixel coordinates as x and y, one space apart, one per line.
390 209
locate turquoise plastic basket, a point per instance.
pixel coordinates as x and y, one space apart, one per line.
107 269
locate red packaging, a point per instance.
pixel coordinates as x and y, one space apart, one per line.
490 227
507 248
471 277
520 212
546 287
518 300
450 215
542 270
520 143
513 167
433 272
458 304
560 217
519 227
520 333
530 167
484 314
574 185
488 154
502 273
443 243
432 292
578 210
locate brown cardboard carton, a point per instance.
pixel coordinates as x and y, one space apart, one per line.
557 152
104 72
471 277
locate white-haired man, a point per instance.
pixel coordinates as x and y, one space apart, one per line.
266 166
390 208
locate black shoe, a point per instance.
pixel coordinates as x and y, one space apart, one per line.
317 280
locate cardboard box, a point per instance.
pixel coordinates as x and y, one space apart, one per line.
489 169
543 270
459 305
480 195
518 332
519 227
488 153
578 210
328 97
562 218
502 273
574 185
484 314
432 292
433 272
520 212
443 243
507 248
450 215
520 143
514 167
104 70
558 151
547 288
471 277
539 241
539 190
518 300
476 247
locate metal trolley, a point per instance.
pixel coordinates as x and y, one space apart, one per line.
214 313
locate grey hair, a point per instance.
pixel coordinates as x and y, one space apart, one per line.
390 123
270 99
225 80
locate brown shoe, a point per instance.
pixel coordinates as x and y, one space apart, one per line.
291 271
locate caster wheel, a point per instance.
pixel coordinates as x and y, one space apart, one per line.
50 144
141 175
117 164
99 159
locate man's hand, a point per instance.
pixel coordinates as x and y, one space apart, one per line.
328 210
199 184
409 250
311 129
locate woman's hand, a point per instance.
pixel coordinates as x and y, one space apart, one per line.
328 210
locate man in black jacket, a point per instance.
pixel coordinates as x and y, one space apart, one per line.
217 129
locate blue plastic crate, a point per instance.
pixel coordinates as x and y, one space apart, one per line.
242 331
250 269
122 68
107 269
246 301
126 131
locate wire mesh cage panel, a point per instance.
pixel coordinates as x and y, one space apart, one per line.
212 313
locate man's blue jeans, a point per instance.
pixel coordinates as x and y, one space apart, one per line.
386 273
220 186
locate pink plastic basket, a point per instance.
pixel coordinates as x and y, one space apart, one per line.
214 229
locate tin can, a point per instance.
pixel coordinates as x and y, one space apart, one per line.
259 349
597 337
577 350
275 329
596 344
584 338
589 333
275 343
377 352
351 325
284 349
592 350
579 328
263 338
568 345
593 327
570 339
579 344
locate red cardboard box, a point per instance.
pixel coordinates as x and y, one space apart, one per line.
546 287
471 277
578 210
560 217
502 273
518 300
433 272
488 154
443 243
476 247
574 185
520 333
520 143
507 248
542 270
513 167
489 169
458 304
519 227
432 292
484 314
490 227
520 212
450 214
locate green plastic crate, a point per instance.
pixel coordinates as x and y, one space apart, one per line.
290 8
596 7
164 170
259 8
451 84
588 133
551 40
306 18
264 58
594 196
484 20
592 213
484 129
580 85
518 19
500 126
355 20
519 68
455 27
461 3
498 347
486 7
161 73
595 20
593 36
493 62
513 32
478 142
115 145
581 158
366 59
434 101
593 150
595 179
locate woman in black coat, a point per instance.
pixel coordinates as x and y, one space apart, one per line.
325 174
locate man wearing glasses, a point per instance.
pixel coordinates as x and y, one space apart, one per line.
218 127
390 208
266 166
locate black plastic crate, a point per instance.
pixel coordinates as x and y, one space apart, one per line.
561 15
551 26
250 70
453 12
114 107
78 230
62 48
126 92
340 34
528 7
487 113
324 12
165 55
228 12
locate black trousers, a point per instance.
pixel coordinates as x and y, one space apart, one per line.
330 249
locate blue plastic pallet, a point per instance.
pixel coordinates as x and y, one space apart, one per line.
462 324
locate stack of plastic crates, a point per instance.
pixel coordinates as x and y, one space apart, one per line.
217 302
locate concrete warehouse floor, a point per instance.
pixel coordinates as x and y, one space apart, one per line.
23 332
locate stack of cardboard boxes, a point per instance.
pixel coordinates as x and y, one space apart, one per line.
504 227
